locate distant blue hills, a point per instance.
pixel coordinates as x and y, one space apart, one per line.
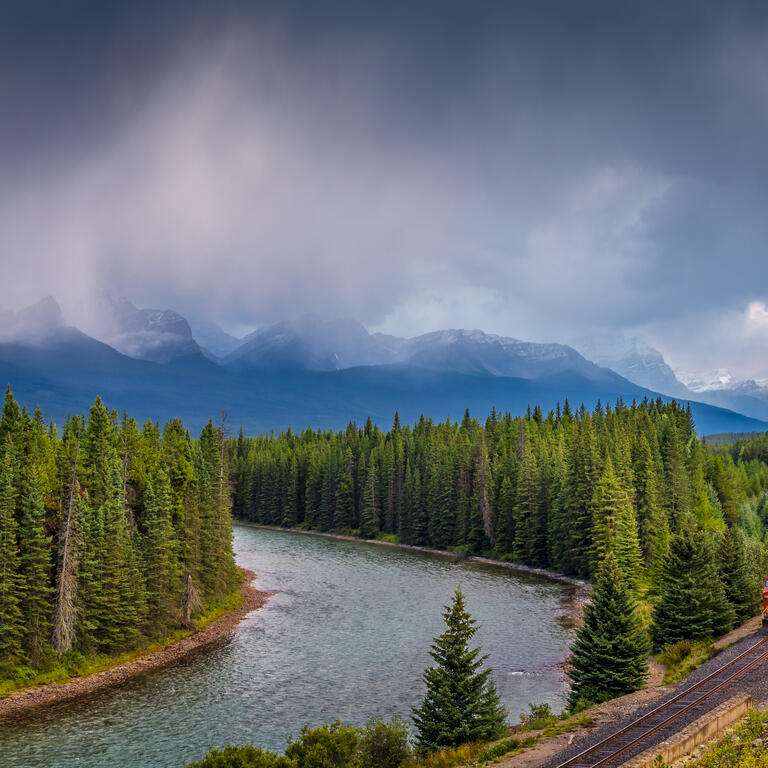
304 373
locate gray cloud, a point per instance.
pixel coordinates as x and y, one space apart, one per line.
529 168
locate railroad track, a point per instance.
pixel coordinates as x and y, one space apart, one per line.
614 746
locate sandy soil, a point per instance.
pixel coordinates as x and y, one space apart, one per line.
30 698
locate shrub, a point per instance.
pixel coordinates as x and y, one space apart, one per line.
499 749
384 745
242 757
538 716
329 746
672 655
448 758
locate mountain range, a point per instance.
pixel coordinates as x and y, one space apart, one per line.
310 372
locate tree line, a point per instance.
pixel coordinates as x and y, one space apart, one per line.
555 491
111 534
627 496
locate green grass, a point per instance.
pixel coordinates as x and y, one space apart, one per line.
549 725
680 659
73 664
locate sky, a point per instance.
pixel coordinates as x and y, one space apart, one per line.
544 170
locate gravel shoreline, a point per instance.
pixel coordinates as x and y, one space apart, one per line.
27 699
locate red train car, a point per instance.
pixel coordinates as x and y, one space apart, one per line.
765 607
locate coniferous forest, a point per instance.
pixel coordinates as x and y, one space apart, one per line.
557 491
111 534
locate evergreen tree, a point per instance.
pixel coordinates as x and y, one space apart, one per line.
610 653
369 516
161 569
11 586
614 526
35 569
741 590
693 605
461 703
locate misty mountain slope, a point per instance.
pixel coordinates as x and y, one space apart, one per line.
32 323
315 345
302 373
634 360
157 335
273 399
312 344
214 342
476 351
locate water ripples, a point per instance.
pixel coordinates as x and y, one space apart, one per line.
345 635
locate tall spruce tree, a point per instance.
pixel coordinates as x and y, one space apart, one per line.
742 590
614 525
11 585
461 704
159 552
35 570
693 605
369 514
610 654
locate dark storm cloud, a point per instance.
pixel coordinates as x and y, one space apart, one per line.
525 167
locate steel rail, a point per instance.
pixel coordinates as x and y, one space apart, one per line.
677 706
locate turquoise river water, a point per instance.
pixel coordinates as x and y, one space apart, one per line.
346 635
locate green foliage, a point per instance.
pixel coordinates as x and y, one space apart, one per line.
538 716
614 525
377 745
682 657
672 655
742 589
503 747
693 603
242 757
461 704
329 746
609 655
384 744
99 528
553 491
744 747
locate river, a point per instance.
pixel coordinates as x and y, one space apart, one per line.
346 635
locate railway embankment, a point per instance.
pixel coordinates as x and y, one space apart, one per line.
609 718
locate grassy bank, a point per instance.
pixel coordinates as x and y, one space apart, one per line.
74 664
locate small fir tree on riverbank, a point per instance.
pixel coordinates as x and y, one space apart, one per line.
461 704
610 654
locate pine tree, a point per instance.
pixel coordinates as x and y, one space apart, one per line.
461 703
35 568
741 590
160 565
693 604
11 585
610 654
345 497
614 526
658 556
369 515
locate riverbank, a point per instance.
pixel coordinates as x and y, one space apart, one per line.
578 597
26 699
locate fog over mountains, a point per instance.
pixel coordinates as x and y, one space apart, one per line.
312 372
